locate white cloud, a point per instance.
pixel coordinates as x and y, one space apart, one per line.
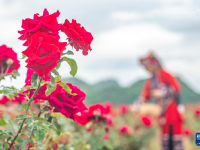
133 40
125 16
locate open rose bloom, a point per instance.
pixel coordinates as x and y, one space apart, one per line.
77 35
43 53
46 23
65 103
8 60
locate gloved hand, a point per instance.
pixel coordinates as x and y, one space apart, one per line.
137 103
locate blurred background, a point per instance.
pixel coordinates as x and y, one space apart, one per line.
123 30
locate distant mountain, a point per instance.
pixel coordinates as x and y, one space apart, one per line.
111 91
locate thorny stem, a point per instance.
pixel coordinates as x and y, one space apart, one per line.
29 103
39 114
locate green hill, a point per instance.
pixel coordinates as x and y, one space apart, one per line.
111 91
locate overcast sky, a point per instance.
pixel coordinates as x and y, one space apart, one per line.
123 30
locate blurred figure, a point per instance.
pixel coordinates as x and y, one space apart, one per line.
165 89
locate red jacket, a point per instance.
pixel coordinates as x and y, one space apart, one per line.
163 77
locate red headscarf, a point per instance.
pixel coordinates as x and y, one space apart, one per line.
149 59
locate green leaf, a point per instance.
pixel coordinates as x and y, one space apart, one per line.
10 97
52 78
72 64
7 91
50 119
1 132
9 132
70 52
19 122
6 145
30 122
24 106
15 73
57 125
47 115
58 78
39 135
58 65
67 88
22 117
41 146
2 122
55 72
43 82
16 147
34 78
23 56
8 139
50 88
46 123
22 143
2 76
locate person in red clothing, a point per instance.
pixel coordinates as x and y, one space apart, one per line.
165 89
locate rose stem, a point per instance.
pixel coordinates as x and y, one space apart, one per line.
29 103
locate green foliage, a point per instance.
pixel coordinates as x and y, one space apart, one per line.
21 117
14 75
23 56
67 88
9 92
39 134
72 64
50 88
57 125
68 53
34 80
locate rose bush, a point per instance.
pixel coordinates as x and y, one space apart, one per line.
43 85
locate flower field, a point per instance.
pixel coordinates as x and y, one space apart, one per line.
102 127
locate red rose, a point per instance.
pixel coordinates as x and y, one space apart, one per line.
96 109
82 118
65 103
197 112
27 144
45 23
81 39
96 114
44 52
124 129
187 132
8 60
17 99
108 107
124 108
146 121
105 137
